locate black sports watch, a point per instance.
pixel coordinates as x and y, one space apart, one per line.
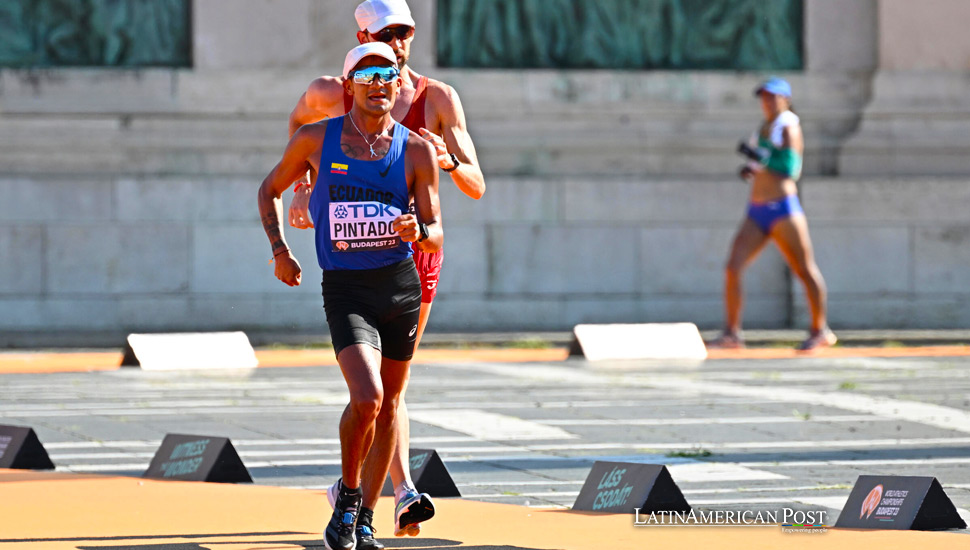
423 229
454 159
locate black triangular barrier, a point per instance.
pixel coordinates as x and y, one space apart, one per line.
429 474
20 449
575 348
899 502
129 359
197 458
620 487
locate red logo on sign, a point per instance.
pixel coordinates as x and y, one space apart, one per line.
871 502
341 245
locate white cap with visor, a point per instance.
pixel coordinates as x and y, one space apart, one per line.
374 15
379 49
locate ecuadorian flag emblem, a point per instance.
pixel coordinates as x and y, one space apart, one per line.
336 168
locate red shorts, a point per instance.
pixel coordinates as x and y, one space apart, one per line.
429 268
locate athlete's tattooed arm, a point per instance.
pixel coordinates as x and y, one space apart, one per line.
301 155
271 224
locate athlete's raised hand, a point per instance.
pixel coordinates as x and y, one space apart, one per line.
441 150
300 207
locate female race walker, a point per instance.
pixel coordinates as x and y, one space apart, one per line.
774 212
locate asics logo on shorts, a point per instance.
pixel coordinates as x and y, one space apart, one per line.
414 330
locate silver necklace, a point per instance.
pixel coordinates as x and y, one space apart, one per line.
369 144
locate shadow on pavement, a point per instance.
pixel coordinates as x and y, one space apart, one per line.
415 544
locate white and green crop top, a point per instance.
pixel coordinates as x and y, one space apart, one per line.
782 160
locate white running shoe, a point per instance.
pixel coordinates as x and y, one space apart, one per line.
332 493
410 511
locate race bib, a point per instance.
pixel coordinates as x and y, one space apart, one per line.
362 226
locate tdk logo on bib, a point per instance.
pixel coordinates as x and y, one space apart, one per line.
367 210
360 226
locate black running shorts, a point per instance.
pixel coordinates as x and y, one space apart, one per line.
377 307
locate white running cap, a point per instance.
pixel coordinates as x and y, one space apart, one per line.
374 15
379 49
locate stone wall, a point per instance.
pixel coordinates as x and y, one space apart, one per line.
130 253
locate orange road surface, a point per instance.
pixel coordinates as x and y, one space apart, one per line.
48 362
788 353
71 511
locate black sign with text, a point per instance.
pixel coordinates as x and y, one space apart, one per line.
429 474
197 458
619 487
21 450
899 502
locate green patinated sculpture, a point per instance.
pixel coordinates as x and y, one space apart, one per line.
100 33
757 35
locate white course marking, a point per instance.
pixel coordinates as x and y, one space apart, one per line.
542 373
518 483
56 457
748 465
488 426
711 421
54 411
103 467
241 442
911 411
723 491
709 445
100 444
713 471
835 503
828 444
924 413
861 462
689 470
571 494
733 501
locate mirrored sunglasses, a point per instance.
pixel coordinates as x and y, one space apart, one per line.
388 34
369 74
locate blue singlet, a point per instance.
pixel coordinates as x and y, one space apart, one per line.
354 203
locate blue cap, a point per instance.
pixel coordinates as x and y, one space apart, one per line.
777 86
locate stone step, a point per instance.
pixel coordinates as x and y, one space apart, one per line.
904 161
161 122
550 161
261 133
186 162
251 144
916 132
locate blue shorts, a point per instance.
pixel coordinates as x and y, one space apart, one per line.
765 214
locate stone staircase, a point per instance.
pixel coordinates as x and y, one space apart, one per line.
917 124
192 130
